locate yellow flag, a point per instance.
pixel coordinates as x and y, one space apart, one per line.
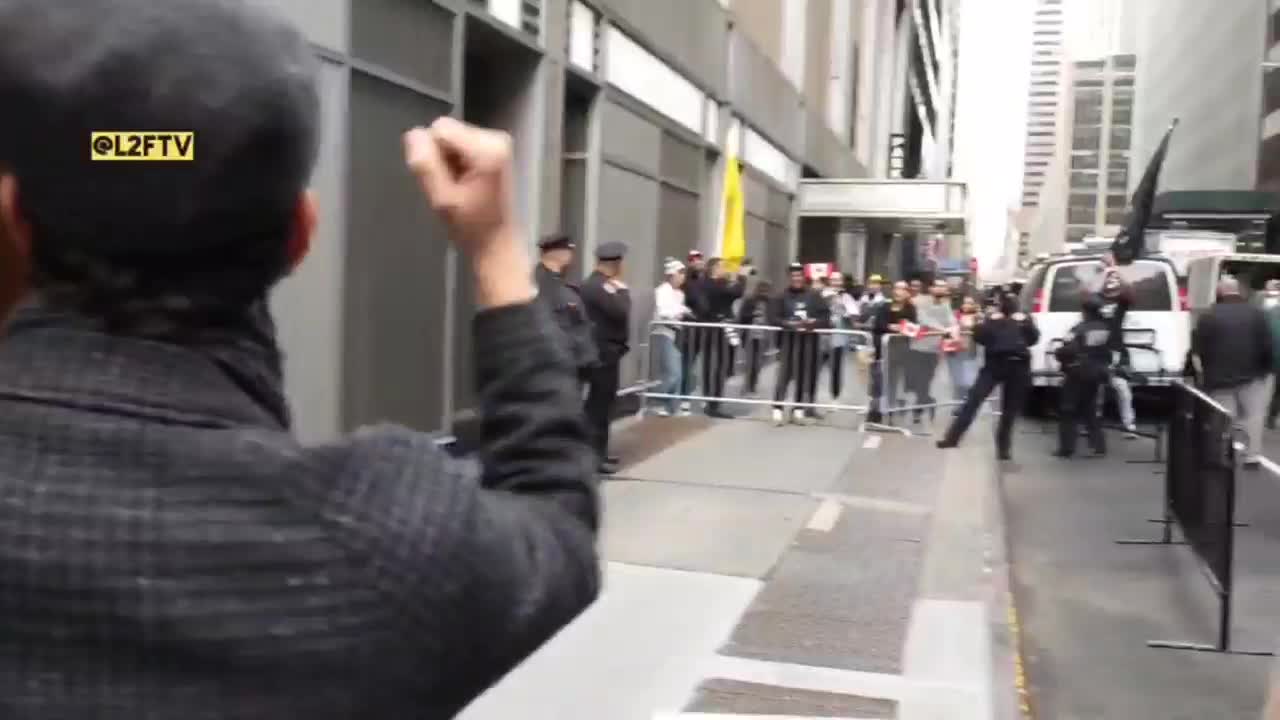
733 245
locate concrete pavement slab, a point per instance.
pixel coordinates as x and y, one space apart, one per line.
726 697
754 455
641 650
840 599
719 530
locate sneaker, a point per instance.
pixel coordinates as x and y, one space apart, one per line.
797 416
778 418
662 412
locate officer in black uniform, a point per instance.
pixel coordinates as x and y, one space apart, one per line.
564 300
608 302
1084 356
1006 337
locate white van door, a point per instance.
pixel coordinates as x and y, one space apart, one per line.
1157 318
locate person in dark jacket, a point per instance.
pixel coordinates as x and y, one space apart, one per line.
755 309
1006 337
692 339
608 302
1115 299
564 301
716 293
889 369
1085 357
170 550
1231 344
800 310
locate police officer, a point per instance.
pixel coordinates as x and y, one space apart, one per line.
564 301
1006 337
1084 356
608 302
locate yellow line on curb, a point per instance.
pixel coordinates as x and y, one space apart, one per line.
1019 667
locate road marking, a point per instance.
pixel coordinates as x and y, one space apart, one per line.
862 502
872 442
825 517
806 677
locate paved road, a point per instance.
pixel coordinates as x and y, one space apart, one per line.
1088 606
793 572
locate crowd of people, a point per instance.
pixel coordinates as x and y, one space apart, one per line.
711 324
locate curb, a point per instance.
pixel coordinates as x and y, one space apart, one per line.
1010 688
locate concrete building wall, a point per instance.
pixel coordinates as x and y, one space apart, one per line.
375 324
1200 62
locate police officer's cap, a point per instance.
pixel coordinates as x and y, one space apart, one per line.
556 241
611 251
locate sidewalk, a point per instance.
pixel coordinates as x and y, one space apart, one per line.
797 572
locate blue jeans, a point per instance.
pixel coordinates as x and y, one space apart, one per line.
669 370
963 369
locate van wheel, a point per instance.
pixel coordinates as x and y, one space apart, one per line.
1038 402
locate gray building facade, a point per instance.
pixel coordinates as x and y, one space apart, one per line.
622 111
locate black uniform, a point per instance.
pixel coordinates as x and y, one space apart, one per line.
1085 358
1006 341
566 306
800 311
609 310
714 304
691 339
885 318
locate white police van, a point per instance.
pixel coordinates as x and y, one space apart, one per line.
1157 327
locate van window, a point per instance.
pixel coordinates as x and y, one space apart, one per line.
1150 281
1027 298
1252 274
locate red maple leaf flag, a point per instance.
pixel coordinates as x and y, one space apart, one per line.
908 328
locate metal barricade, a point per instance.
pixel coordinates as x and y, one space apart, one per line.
1199 498
710 367
714 365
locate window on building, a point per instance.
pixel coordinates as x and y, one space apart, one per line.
1121 137
1117 180
1125 62
1117 202
1118 161
1121 115
1084 161
1086 138
1088 83
1081 214
1084 181
1083 200
1116 217
1123 81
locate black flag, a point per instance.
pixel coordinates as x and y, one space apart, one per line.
1131 241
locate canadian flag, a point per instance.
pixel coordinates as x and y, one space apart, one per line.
908 328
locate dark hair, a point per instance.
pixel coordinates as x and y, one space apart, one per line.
156 247
713 263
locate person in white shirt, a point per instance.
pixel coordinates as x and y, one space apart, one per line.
669 306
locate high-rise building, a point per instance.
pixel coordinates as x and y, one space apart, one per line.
1211 66
1101 115
1045 97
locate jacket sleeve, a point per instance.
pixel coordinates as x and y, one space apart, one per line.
1030 331
1201 334
614 306
1266 348
823 314
667 304
483 570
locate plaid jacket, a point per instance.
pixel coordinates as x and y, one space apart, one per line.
168 551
